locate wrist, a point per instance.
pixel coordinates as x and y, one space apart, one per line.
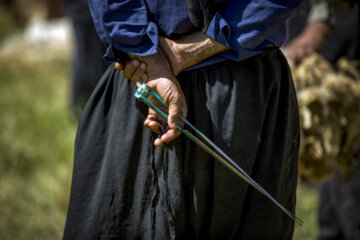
173 54
319 32
157 65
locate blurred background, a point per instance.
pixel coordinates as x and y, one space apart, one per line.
50 60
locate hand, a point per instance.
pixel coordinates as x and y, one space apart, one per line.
313 38
172 94
162 80
133 70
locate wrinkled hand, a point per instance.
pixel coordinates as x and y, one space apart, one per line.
171 93
157 73
133 70
313 38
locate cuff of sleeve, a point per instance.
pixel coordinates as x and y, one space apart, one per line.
328 11
220 30
117 51
319 12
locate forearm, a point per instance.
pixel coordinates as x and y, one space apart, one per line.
189 50
173 56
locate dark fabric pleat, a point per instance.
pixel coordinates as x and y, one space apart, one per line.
125 188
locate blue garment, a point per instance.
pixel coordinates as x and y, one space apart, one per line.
133 26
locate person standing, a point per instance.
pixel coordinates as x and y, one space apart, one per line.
218 64
332 29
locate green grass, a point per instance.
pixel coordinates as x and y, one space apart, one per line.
36 149
306 209
36 154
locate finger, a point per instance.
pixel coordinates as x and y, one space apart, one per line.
184 109
144 78
297 54
290 53
174 111
154 121
172 119
118 66
155 116
153 125
169 136
158 142
138 73
303 52
130 68
309 50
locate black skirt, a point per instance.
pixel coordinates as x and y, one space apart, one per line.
125 188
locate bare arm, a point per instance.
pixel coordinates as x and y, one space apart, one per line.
159 71
312 38
323 17
181 54
189 50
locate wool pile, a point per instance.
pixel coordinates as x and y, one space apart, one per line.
329 103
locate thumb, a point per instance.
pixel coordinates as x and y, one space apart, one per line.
174 111
170 94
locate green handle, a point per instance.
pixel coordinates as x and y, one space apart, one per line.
140 96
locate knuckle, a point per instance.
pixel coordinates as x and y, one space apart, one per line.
134 63
130 67
142 67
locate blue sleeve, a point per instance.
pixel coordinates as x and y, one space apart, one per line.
246 26
124 27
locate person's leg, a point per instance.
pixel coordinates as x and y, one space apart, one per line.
115 188
339 208
125 188
250 110
347 205
327 218
275 166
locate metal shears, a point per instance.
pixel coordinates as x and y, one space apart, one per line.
143 92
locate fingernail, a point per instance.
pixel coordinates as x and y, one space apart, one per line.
136 62
142 66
